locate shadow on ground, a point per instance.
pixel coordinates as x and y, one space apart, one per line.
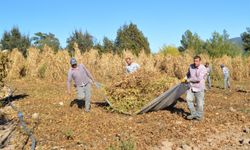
5 101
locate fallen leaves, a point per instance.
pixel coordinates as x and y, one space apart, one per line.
134 91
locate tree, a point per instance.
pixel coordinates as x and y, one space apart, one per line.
108 45
99 47
169 50
246 40
14 39
41 39
220 45
83 40
191 42
129 37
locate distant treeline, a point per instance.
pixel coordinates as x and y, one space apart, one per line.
128 37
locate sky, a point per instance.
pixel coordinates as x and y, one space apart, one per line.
161 21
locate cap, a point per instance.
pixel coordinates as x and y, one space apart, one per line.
73 61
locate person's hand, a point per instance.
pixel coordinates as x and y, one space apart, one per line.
98 85
184 80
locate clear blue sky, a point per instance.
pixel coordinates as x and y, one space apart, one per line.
162 21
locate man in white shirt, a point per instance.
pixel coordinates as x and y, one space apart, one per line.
226 76
131 66
208 77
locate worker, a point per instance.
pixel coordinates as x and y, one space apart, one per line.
208 77
226 74
196 77
131 66
82 79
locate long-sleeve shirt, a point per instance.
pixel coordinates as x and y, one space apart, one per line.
196 77
225 71
80 75
132 67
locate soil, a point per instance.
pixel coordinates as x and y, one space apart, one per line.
57 123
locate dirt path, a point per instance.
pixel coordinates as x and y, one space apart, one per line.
59 126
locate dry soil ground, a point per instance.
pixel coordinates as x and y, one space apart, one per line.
226 124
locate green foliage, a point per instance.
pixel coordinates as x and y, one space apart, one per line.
220 45
192 42
246 54
127 145
69 134
14 39
106 47
129 37
123 145
83 40
217 46
99 47
169 50
41 39
246 40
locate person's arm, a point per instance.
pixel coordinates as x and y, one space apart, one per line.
126 70
185 79
69 78
188 75
208 71
138 66
198 78
88 73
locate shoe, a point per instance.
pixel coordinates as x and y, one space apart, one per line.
191 117
72 103
199 118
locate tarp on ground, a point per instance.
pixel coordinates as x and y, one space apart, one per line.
166 99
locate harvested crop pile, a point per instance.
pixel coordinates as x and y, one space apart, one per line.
4 66
136 90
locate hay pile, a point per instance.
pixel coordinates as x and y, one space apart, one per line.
53 66
33 58
45 64
18 62
237 69
135 90
175 66
4 66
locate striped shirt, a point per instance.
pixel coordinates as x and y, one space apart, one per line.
80 75
196 77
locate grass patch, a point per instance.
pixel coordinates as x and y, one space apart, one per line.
128 144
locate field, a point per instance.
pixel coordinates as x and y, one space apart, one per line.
60 124
63 127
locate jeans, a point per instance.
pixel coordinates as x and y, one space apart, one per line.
199 97
84 92
226 81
